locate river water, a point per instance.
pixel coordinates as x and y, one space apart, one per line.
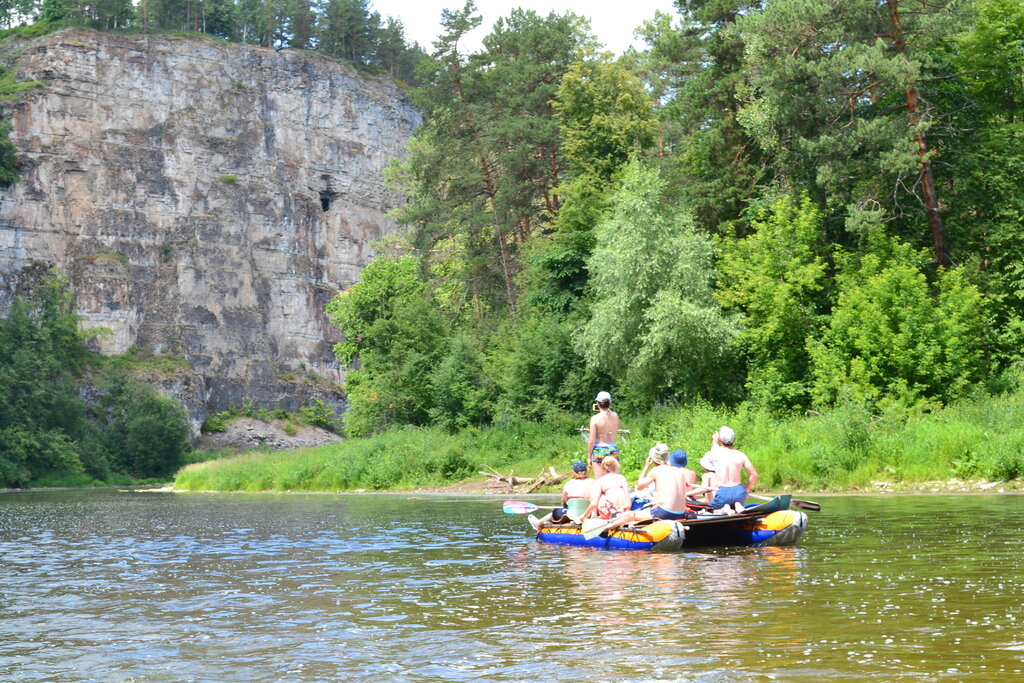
113 586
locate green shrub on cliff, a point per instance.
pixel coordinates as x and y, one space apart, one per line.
42 418
8 155
47 431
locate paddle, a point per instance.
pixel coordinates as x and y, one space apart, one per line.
593 526
794 502
521 507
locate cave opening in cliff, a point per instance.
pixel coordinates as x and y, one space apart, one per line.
325 201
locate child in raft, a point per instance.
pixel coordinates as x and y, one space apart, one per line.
578 488
708 479
610 495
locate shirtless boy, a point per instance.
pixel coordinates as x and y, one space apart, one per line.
673 485
729 464
603 429
677 458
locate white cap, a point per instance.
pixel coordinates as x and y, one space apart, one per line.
603 396
726 436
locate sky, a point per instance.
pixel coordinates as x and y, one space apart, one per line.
612 21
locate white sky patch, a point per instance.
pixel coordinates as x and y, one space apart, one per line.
612 22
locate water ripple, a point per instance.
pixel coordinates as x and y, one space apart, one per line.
107 586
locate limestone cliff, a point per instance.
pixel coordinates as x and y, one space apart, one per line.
205 199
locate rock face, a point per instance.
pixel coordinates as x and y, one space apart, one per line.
250 433
205 199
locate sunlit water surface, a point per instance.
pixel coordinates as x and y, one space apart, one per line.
110 586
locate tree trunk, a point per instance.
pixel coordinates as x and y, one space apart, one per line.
931 199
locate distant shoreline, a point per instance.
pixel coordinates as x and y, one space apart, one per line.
473 487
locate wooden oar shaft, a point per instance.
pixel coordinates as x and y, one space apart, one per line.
590 531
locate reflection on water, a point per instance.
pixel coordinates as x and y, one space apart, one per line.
116 586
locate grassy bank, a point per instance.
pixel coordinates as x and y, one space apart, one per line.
846 449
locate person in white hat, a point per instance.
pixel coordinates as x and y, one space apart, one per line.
603 430
728 464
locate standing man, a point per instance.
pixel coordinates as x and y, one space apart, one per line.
603 430
728 466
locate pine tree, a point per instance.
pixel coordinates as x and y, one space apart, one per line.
349 30
484 172
834 93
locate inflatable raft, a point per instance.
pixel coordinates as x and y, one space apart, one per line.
771 523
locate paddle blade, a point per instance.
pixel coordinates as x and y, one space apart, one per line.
518 507
594 527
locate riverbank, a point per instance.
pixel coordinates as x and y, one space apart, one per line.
846 450
483 487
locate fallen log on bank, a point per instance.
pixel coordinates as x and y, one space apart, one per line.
510 482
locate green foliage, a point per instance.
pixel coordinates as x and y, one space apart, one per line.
41 415
795 130
393 384
775 278
47 433
557 267
536 370
10 86
696 66
34 30
655 323
605 116
149 434
458 387
845 448
986 161
991 47
384 284
29 451
349 29
321 415
891 339
397 334
483 172
831 106
101 14
216 422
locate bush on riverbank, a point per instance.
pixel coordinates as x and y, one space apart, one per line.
845 449
50 434
398 459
